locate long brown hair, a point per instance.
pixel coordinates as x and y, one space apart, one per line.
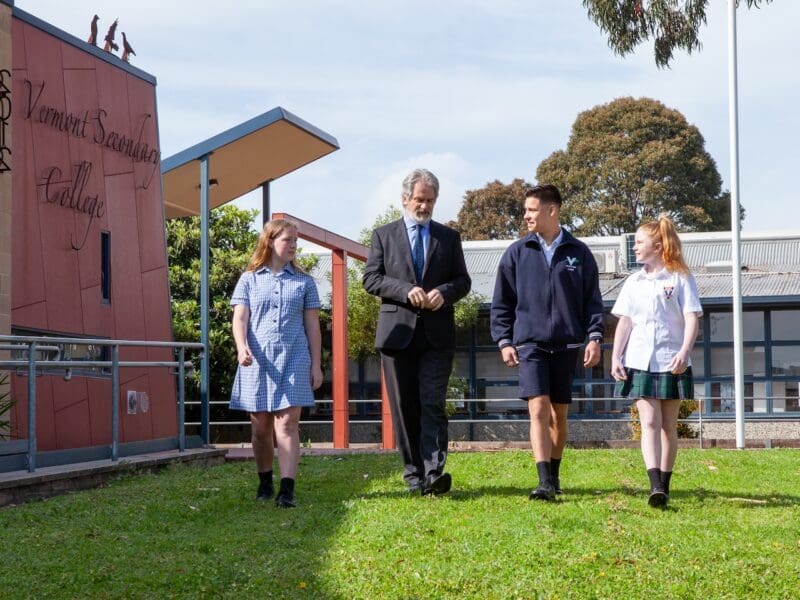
663 232
262 255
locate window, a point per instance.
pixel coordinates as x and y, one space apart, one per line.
786 360
785 324
752 326
722 361
105 267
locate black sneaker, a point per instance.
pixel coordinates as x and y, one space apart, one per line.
657 499
285 500
545 491
265 490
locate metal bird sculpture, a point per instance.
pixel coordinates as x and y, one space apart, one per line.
93 35
127 49
110 45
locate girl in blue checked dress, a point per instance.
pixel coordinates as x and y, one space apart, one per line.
278 342
658 309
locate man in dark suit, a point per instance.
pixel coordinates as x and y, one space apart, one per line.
416 266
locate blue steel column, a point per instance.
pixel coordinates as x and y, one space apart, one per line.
114 402
265 203
204 305
32 407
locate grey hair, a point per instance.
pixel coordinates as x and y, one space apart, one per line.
423 175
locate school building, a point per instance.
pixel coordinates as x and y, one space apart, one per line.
771 329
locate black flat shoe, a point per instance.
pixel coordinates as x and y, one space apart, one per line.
545 491
437 485
265 491
285 500
657 499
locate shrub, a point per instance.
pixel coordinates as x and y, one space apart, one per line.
684 429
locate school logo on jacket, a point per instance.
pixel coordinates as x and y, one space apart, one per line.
572 263
668 289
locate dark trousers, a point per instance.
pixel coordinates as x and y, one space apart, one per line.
416 381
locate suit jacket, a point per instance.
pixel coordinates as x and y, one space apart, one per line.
389 274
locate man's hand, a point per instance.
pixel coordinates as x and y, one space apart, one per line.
417 297
509 354
591 356
435 300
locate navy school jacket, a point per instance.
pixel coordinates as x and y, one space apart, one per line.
556 305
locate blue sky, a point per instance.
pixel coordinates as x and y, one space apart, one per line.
473 90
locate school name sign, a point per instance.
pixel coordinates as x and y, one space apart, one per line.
93 126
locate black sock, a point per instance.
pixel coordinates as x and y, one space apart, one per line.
655 478
543 468
287 486
265 476
665 477
555 464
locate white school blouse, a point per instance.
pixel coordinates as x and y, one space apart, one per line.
656 304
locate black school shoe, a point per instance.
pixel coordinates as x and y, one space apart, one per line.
438 485
265 491
658 498
285 500
545 491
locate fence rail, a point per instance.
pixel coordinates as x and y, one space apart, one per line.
34 345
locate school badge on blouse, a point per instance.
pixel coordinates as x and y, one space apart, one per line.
668 289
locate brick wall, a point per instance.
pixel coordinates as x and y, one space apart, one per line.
5 177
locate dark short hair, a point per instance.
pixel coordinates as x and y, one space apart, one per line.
545 193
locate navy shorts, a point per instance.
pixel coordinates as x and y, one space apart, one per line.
545 372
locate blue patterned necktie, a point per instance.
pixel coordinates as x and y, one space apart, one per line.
418 254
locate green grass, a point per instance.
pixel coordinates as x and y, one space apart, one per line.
732 531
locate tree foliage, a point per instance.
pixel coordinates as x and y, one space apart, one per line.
671 24
493 212
231 243
630 160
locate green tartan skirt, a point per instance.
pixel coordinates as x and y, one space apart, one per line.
659 386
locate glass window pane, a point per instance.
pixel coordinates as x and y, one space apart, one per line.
698 365
722 361
722 326
786 360
723 397
489 365
484 332
785 324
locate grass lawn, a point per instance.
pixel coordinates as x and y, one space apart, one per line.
732 531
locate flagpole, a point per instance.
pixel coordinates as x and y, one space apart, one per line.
733 122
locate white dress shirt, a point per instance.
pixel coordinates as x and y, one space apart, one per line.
656 304
550 250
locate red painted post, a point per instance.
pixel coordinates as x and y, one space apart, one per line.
387 430
341 376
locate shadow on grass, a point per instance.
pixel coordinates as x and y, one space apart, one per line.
743 500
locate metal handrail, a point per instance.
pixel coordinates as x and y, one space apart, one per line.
34 344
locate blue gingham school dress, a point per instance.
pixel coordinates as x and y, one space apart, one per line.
280 375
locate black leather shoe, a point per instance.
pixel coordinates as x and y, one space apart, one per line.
545 491
437 485
265 490
285 500
657 499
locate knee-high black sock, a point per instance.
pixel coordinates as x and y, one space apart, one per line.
655 479
287 485
665 477
543 468
555 465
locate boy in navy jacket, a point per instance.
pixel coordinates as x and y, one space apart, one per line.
546 304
